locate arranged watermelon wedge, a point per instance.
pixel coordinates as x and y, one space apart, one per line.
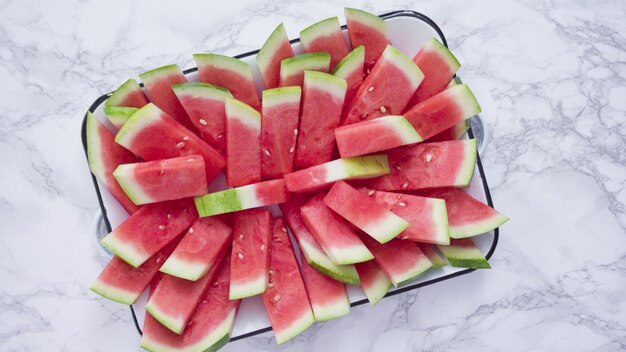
118 115
463 253
285 299
205 241
292 69
374 281
334 234
368 30
281 109
325 36
104 155
153 135
375 135
161 180
432 255
244 197
205 105
230 73
451 134
429 165
350 68
243 144
387 89
249 259
364 212
322 102
275 49
129 94
320 176
328 297
149 229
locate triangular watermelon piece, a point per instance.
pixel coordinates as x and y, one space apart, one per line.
463 253
374 281
350 68
431 252
275 49
325 36
118 115
368 30
129 94
328 297
243 143
292 68
244 197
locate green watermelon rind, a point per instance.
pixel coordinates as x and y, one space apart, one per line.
224 62
334 85
377 292
271 45
114 293
352 62
331 311
357 253
118 115
366 18
283 95
121 92
466 170
322 263
478 228
150 76
94 150
125 176
251 287
440 218
297 327
125 251
319 29
184 269
416 271
436 46
143 117
236 109
176 325
464 257
365 166
299 63
222 202
465 99
387 228
200 89
404 64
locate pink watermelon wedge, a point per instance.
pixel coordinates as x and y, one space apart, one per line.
322 102
325 36
118 115
463 253
432 255
250 260
230 73
328 297
243 144
153 135
206 239
368 30
285 300
350 68
374 281
333 233
364 212
129 94
241 198
281 110
429 165
292 68
275 49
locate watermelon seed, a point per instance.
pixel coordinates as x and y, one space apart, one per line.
270 284
429 157
169 216
368 71
370 193
262 247
399 196
398 168
186 138
191 230
276 298
405 185
284 229
240 255
220 136
162 172
404 237
215 283
402 204
267 152
271 272
241 236
295 132
363 117
291 150
370 89
180 145
383 109
190 160
161 227
203 122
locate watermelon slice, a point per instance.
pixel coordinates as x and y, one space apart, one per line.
320 176
250 260
205 105
161 180
350 68
104 155
463 253
334 234
374 281
467 216
129 94
281 108
322 102
387 89
325 36
365 213
375 135
230 73
429 165
328 297
433 256
118 115
152 135
275 49
285 300
292 69
451 134
243 144
368 30
158 84
208 329
244 197
206 239
443 111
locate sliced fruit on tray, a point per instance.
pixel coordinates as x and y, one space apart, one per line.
402 261
158 84
375 135
285 300
374 281
196 254
129 94
387 89
427 216
443 111
322 103
209 327
333 233
149 229
292 68
275 49
325 36
161 180
243 143
328 297
153 135
429 165
244 197
118 115
230 73
205 105
281 111
320 176
350 68
252 232
451 134
467 216
433 256
104 155
310 248
364 212
463 253
368 30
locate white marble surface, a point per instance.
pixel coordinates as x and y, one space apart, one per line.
550 76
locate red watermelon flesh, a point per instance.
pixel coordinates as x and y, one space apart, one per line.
325 36
243 144
350 68
129 94
285 300
374 281
453 133
275 49
328 297
292 68
368 30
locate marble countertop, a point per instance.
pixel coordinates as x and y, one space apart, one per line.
550 76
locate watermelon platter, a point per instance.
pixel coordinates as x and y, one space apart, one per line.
408 32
